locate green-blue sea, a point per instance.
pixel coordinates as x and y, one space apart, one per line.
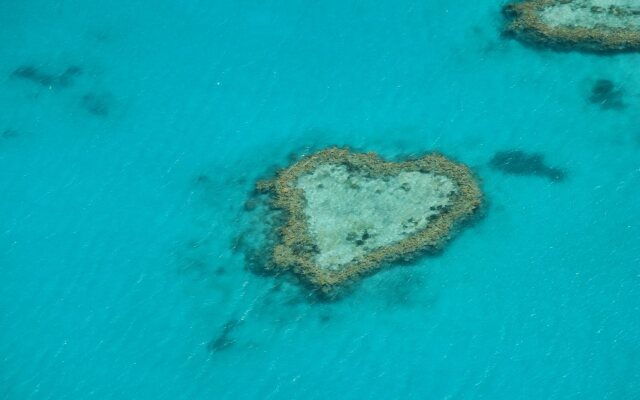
131 136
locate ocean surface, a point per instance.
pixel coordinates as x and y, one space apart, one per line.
132 133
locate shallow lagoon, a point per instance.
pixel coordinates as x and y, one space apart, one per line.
122 272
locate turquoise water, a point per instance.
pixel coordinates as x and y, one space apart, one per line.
124 182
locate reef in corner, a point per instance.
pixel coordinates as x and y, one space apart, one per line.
599 26
346 214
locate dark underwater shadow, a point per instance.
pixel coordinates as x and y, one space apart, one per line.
98 104
9 134
37 75
607 95
518 162
223 340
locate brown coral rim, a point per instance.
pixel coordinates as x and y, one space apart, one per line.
524 23
295 249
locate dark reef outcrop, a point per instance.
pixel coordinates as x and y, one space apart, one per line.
607 95
97 104
42 78
517 162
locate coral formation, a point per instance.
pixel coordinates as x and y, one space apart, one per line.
345 214
586 25
9 134
97 104
518 162
223 341
605 94
36 75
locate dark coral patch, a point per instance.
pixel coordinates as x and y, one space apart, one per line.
98 104
42 78
605 94
202 179
10 134
223 340
517 162
67 77
324 318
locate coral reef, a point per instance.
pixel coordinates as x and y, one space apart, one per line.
9 134
345 214
605 94
585 25
98 104
518 162
36 75
223 340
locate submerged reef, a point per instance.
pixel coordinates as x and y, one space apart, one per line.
605 94
223 340
346 214
586 25
517 162
9 134
36 75
98 104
